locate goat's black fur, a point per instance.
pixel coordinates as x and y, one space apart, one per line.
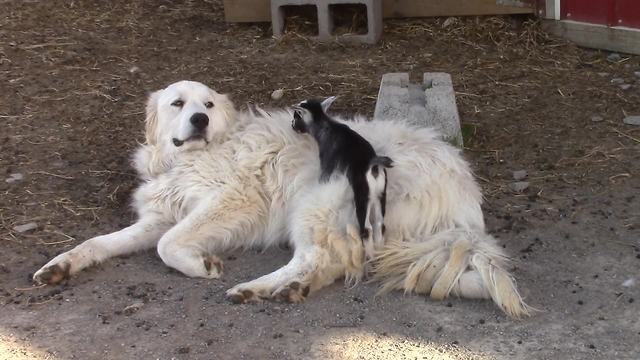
343 149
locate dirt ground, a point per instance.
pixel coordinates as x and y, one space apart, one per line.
73 81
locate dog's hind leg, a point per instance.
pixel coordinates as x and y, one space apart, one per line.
142 235
312 267
322 254
290 283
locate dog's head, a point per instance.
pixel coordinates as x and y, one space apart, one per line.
187 115
306 113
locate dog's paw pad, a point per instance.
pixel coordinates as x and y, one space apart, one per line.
213 265
293 293
53 274
242 297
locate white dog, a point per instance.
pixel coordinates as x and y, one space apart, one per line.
215 180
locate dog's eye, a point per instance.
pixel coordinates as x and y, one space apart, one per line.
178 103
208 104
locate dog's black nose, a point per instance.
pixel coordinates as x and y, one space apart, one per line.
199 121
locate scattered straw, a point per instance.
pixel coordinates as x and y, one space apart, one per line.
626 135
30 288
54 175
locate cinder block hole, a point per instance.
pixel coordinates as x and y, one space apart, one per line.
301 19
349 19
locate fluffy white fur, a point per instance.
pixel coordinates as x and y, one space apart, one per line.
255 182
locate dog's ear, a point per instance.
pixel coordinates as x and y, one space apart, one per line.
227 111
224 103
326 103
151 121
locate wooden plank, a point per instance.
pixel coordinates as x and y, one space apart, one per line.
259 10
247 10
621 39
427 8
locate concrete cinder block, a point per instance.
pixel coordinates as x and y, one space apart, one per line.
430 104
325 21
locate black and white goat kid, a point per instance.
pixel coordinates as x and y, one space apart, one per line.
343 150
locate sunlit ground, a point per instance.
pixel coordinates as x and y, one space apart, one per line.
350 344
347 344
13 349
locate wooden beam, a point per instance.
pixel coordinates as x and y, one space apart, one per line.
247 10
427 8
621 39
260 11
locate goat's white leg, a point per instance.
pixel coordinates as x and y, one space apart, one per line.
142 235
369 242
377 220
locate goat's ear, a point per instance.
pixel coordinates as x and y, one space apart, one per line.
151 121
326 103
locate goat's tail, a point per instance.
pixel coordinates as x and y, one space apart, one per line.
383 161
462 263
377 183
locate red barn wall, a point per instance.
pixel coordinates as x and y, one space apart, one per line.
604 12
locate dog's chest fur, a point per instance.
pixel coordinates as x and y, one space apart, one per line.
253 161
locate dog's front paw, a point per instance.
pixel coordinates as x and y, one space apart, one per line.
294 293
238 295
214 266
52 274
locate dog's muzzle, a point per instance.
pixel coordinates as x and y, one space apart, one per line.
199 121
195 137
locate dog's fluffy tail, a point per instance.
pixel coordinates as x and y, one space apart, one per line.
462 263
